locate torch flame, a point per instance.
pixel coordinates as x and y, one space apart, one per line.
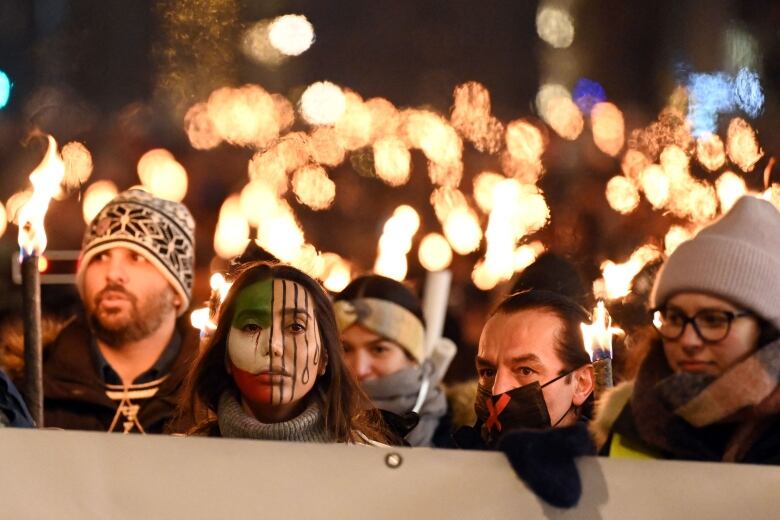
46 179
597 336
617 277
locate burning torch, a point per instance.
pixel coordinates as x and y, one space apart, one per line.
597 338
46 179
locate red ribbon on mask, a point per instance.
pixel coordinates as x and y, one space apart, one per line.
495 411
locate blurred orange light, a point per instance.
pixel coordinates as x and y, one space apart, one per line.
162 175
313 187
742 145
435 252
633 164
97 195
324 147
608 128
730 188
524 141
471 116
78 164
710 152
392 161
200 128
622 195
322 103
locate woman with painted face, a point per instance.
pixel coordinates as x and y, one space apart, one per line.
273 369
708 386
383 334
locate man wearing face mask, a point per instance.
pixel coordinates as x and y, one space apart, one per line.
535 391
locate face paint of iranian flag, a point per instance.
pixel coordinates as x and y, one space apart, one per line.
274 346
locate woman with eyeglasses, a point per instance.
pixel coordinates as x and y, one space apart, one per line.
708 388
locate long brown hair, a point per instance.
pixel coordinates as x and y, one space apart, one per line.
346 409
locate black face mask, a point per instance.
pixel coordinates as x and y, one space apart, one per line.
521 407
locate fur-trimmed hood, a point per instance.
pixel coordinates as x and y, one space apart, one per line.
460 398
12 342
608 409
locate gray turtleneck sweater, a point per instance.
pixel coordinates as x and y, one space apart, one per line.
234 422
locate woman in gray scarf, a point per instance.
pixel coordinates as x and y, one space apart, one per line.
274 368
383 333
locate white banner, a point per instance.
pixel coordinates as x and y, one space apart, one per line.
65 474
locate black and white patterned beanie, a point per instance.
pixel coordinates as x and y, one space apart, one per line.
161 230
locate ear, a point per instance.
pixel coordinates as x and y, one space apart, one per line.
584 381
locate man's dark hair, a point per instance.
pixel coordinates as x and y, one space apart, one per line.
570 347
553 272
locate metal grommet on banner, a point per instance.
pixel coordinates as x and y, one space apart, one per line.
393 460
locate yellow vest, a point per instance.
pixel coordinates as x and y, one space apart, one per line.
622 448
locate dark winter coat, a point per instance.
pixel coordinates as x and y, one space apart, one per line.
76 397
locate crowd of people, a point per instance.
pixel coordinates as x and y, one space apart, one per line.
290 362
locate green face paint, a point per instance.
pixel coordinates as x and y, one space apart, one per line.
254 305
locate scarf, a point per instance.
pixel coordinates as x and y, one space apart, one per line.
397 393
700 417
234 422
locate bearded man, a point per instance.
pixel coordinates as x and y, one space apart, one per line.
120 367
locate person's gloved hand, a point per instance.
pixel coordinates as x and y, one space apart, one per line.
13 408
544 460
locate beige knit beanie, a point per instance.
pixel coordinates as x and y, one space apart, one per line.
736 258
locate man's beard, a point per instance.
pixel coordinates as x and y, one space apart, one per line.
140 323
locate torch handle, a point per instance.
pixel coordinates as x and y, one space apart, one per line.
603 370
33 362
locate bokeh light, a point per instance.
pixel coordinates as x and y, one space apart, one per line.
291 34
322 103
324 146
244 116
313 187
471 116
484 187
5 89
524 141
162 175
392 161
462 230
435 253
618 277
256 44
232 233
587 93
622 195
730 187
742 144
710 152
674 237
555 26
655 185
96 196
748 92
78 164
336 274
608 128
3 219
564 117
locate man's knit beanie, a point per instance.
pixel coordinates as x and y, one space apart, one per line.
161 230
736 258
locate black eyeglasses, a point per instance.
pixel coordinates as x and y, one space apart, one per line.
710 325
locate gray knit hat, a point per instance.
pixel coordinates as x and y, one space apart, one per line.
736 258
160 230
